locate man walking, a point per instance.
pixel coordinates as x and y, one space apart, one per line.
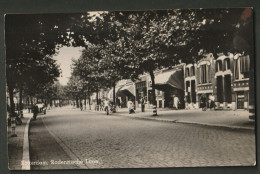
106 106
142 104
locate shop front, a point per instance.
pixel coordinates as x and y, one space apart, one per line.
126 93
141 91
171 83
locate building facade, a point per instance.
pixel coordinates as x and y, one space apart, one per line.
225 80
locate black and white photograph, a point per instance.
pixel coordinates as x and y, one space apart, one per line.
130 89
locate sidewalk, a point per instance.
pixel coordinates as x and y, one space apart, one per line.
220 118
15 144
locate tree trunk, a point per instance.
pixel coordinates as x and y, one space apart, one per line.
89 103
27 101
85 101
77 101
97 106
21 102
153 88
114 93
11 96
31 100
97 98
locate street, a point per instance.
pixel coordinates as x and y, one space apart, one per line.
114 141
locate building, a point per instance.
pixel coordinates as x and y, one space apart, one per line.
168 83
225 79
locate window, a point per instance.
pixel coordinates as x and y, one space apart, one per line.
203 73
245 66
192 71
227 64
236 71
242 67
219 66
187 72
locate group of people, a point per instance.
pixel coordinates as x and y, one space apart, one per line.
206 103
130 105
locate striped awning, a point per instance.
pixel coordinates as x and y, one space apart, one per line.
174 79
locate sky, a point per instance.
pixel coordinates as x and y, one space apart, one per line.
64 60
65 55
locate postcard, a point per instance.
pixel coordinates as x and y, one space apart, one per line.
130 89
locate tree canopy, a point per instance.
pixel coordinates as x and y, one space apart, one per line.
119 44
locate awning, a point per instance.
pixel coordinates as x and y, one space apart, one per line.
128 89
110 93
174 79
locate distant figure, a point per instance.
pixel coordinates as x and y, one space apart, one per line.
106 106
212 102
118 102
203 103
35 110
176 102
81 107
102 105
130 106
142 104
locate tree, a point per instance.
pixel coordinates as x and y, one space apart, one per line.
28 54
151 40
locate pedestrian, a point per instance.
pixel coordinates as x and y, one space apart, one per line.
176 102
130 106
102 105
118 102
106 106
203 103
212 102
142 104
35 110
81 107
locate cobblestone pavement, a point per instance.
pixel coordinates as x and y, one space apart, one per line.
44 148
120 142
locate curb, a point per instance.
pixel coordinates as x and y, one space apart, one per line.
26 154
217 125
187 122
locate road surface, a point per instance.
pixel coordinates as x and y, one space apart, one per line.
65 136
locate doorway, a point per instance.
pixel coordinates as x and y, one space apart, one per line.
219 89
240 100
